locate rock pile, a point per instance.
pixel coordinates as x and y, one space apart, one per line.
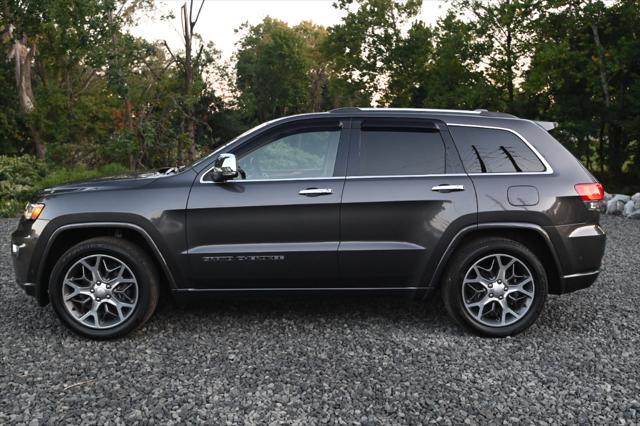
620 204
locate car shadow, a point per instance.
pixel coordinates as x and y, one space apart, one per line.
354 309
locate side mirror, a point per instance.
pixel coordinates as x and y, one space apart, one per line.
224 168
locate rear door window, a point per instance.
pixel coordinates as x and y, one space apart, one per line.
398 151
494 151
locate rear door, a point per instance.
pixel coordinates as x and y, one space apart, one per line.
405 196
279 226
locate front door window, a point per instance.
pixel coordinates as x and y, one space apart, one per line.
309 154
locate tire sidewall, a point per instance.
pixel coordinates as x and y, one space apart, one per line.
453 286
135 261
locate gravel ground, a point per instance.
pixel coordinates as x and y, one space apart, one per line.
354 361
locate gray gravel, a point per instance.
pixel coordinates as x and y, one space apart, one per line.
355 361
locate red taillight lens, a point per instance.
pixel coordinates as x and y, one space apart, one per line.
590 191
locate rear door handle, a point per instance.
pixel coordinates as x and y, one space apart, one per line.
314 192
448 188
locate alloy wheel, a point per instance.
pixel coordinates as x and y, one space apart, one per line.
100 291
498 290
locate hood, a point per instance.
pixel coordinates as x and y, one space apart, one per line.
134 180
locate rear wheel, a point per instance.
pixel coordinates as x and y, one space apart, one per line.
104 288
495 287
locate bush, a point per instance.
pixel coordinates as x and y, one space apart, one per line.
22 177
19 177
63 175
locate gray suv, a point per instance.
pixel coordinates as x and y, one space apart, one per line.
487 207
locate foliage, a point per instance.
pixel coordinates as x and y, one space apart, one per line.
23 176
18 181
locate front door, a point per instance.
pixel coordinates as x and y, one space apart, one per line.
405 194
278 227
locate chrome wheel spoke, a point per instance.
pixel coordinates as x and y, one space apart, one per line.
100 291
122 309
498 290
480 303
76 290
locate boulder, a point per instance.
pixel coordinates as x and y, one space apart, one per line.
635 215
629 208
636 200
616 204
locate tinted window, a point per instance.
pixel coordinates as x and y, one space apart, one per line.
494 151
388 152
299 155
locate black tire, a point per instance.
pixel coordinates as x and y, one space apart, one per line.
136 259
465 258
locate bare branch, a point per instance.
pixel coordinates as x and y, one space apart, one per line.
183 20
197 59
198 14
166 45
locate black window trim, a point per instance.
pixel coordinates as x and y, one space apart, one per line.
547 167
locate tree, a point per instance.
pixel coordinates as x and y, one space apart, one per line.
454 78
584 73
503 28
273 70
363 45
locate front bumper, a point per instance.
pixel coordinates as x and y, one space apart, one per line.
23 245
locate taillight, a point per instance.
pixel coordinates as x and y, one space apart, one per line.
590 191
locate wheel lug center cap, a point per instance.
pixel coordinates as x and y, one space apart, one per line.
100 290
498 291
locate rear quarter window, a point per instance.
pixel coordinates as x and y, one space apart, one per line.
494 151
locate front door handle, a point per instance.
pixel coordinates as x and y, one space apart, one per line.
448 188
314 192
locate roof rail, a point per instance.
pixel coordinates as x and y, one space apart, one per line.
345 110
482 112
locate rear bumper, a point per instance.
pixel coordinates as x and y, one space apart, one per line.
571 283
580 249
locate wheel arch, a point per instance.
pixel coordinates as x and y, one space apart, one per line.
531 235
66 236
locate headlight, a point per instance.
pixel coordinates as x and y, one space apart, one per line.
32 211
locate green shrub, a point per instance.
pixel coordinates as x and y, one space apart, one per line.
62 175
19 177
22 177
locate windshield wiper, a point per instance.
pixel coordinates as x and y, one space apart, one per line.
171 170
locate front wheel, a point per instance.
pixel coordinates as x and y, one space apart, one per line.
104 288
495 287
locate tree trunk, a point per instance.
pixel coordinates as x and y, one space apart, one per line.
189 123
606 127
23 55
510 84
601 145
603 72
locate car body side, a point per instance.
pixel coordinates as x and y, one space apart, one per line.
157 212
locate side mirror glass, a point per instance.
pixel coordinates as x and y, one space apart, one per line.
224 168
